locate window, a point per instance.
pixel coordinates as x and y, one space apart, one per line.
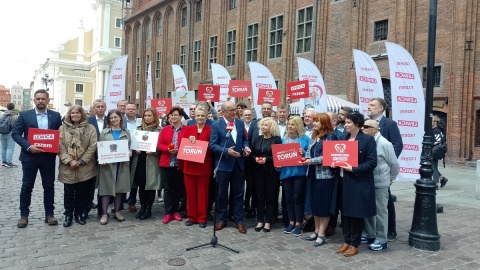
196 55
182 56
212 51
276 37
157 65
233 4
148 31
159 26
139 35
118 23
137 69
231 37
198 11
437 76
79 102
184 16
252 41
117 42
381 30
147 62
79 88
304 29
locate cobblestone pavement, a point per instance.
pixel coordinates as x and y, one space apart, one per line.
149 244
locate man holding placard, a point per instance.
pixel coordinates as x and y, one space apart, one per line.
34 158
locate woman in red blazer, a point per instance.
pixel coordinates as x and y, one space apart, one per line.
197 175
170 174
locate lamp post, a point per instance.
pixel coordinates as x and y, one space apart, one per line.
424 231
46 80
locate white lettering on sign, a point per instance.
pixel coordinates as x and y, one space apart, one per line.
287 155
298 87
192 151
43 137
44 145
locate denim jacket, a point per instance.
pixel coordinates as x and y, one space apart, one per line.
321 172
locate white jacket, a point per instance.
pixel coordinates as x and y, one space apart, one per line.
387 163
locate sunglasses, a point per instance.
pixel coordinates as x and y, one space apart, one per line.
367 127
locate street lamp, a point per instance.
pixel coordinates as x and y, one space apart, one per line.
424 231
46 80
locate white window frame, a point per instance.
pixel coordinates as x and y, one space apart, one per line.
118 23
77 101
115 42
83 88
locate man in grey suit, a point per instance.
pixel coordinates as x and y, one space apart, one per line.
34 158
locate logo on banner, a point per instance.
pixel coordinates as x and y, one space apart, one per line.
407 99
364 100
269 95
239 88
208 92
367 79
404 75
405 123
181 88
43 137
115 94
340 148
298 89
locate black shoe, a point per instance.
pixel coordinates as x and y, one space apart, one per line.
202 225
147 213
258 229
189 222
68 221
140 213
85 215
266 230
79 219
92 205
443 182
209 216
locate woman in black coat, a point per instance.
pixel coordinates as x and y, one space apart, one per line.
358 185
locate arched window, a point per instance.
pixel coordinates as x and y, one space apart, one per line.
148 31
159 26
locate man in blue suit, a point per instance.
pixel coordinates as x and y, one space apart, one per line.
230 145
34 158
389 130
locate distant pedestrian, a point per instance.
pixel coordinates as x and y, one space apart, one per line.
7 121
438 137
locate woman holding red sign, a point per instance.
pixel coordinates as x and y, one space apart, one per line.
145 172
197 175
266 178
114 178
293 177
170 173
322 178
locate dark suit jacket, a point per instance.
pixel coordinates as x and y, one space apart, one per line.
26 120
218 138
389 130
93 120
253 131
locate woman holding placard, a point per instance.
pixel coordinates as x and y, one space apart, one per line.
145 171
170 173
293 177
266 178
358 185
114 178
77 166
322 178
197 175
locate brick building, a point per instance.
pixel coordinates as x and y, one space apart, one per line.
4 96
274 32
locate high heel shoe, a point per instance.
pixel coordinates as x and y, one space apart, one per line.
258 229
266 230
312 237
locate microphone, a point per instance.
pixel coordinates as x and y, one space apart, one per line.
229 129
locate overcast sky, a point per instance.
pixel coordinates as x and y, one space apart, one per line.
30 29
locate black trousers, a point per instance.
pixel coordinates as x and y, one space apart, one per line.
250 195
172 185
352 230
266 186
90 193
147 197
75 199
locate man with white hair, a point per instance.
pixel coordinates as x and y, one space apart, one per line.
308 121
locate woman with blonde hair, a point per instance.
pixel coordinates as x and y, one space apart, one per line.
266 178
77 166
145 172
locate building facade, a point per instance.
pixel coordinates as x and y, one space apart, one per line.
4 96
27 99
79 67
195 33
16 94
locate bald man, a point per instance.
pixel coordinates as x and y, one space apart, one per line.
384 175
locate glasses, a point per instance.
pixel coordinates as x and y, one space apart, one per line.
367 127
192 109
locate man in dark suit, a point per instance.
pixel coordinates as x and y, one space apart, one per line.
231 166
389 130
33 158
99 121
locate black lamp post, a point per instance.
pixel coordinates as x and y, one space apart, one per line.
424 232
46 80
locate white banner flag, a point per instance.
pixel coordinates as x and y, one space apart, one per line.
179 78
149 85
408 108
222 78
369 82
261 78
318 96
115 90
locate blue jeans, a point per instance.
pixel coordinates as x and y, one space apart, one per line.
8 145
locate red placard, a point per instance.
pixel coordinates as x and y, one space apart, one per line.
192 152
162 105
340 152
286 154
270 95
299 89
208 92
45 139
241 89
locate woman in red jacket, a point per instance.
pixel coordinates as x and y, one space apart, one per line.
197 175
170 173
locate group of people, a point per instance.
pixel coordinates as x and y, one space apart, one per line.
238 172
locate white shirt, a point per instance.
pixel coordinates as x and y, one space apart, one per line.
131 125
282 128
100 122
233 134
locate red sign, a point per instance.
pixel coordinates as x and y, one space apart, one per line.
286 155
298 89
162 105
45 139
241 89
340 152
270 95
192 152
209 92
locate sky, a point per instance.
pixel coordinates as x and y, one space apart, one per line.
30 29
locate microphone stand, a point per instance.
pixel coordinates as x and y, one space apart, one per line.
214 240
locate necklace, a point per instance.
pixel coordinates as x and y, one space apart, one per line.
262 145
